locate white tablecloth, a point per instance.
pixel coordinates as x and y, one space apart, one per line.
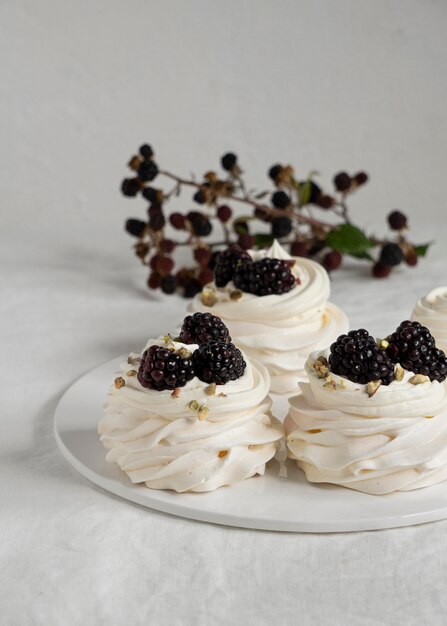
73 554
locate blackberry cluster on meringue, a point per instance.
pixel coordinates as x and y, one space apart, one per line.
216 360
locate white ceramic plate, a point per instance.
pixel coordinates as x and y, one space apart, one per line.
269 502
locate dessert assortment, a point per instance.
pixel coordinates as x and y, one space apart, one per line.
432 312
373 416
190 413
276 308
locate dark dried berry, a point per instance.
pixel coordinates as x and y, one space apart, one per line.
165 264
226 263
157 221
228 161
153 282
332 260
360 178
167 246
391 254
213 259
147 171
203 327
381 271
146 151
274 172
342 181
192 287
200 224
199 197
262 214
177 220
168 284
397 220
151 194
357 357
135 227
413 346
130 187
205 276
281 226
280 200
224 213
299 248
265 277
246 241
162 368
218 362
411 258
202 255
325 202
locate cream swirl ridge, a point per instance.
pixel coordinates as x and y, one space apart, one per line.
431 311
281 330
394 440
157 440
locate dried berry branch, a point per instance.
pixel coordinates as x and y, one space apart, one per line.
288 217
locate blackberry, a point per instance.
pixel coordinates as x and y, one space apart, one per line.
199 197
264 277
202 328
168 284
280 200
135 227
275 171
218 362
146 151
332 260
177 221
226 264
163 368
130 187
315 191
325 202
357 357
397 220
148 170
342 181
281 227
413 346
157 221
246 241
391 255
228 161
224 213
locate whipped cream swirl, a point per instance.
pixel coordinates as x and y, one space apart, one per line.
281 330
431 311
395 440
157 440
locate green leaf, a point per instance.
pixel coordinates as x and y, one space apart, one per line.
263 240
305 192
349 239
422 249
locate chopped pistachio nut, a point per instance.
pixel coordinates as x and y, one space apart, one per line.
383 343
314 431
372 387
167 339
203 412
321 367
184 353
236 295
419 379
341 384
399 372
133 359
330 383
131 373
119 382
194 405
222 395
211 389
429 417
176 392
222 454
208 297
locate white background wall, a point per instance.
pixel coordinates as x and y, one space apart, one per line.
322 84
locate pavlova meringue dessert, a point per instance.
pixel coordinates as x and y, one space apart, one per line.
276 308
373 417
432 312
191 414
